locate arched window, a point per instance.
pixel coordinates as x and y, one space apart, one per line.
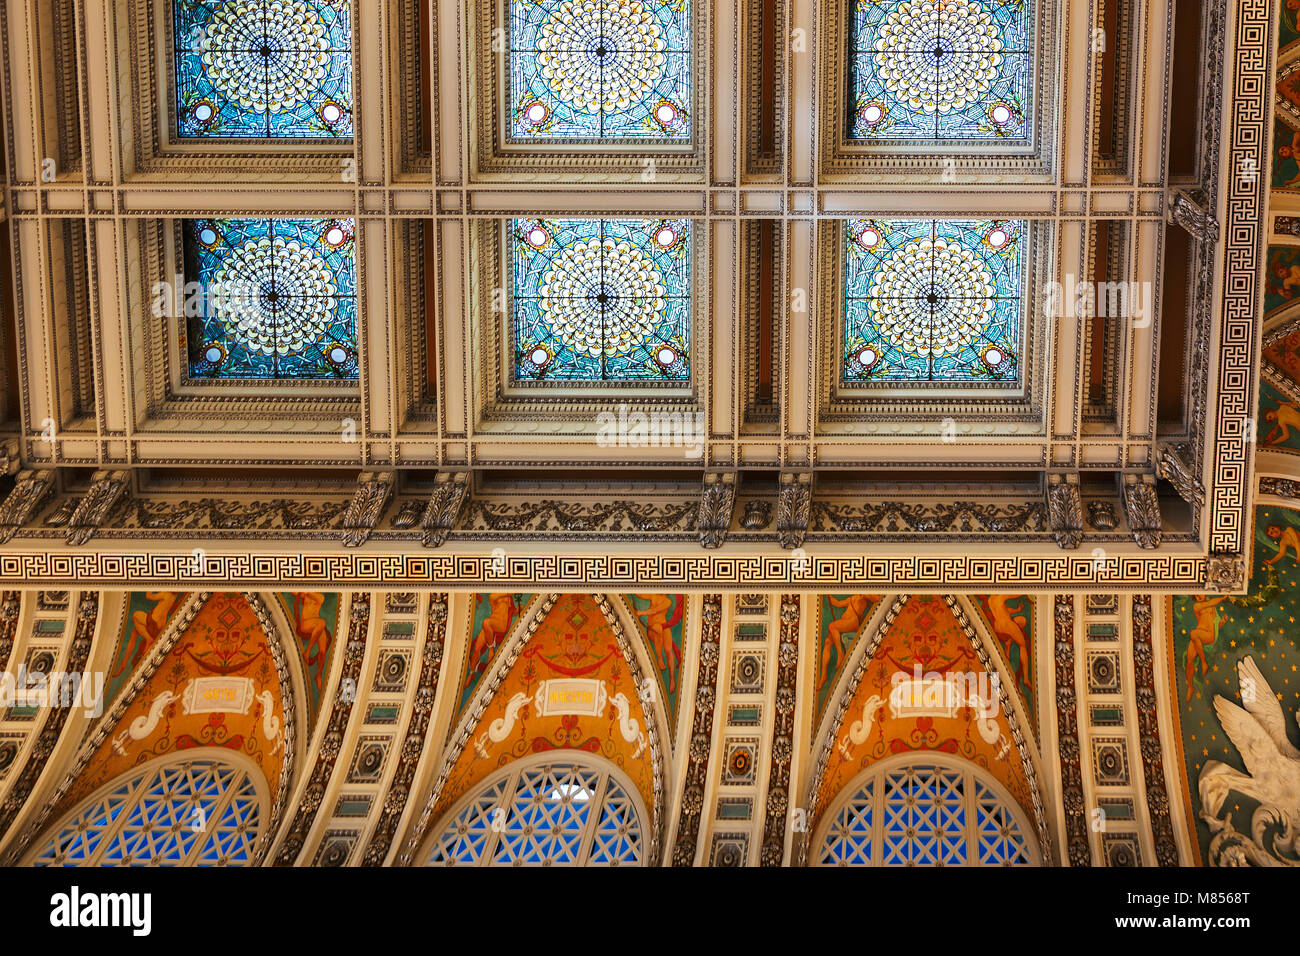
925 813
552 813
203 809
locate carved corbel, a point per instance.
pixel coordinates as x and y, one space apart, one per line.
1142 509
1192 216
717 504
1065 510
374 488
106 489
30 489
793 508
1225 572
10 457
1175 467
445 508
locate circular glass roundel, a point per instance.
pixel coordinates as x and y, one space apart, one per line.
602 296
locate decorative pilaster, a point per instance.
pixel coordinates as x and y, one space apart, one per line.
1162 827
706 697
327 755
399 790
1067 735
778 779
55 718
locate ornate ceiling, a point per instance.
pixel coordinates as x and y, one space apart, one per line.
1072 413
837 457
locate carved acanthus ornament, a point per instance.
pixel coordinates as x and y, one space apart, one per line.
793 508
374 488
1142 509
106 489
717 504
1101 515
29 491
1065 510
10 457
701 740
1177 467
1225 572
445 508
1067 735
1192 216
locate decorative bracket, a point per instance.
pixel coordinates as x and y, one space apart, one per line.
374 488
1142 509
1192 216
1175 466
1225 572
28 492
10 457
717 504
106 489
793 508
1065 510
445 508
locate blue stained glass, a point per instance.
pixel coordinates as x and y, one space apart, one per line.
263 68
933 301
601 300
600 69
936 70
278 298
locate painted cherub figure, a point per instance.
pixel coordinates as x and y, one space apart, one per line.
1205 632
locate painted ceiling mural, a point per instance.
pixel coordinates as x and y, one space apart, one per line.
491 621
839 624
925 690
569 689
1236 664
661 618
1010 619
1279 420
217 687
314 617
147 614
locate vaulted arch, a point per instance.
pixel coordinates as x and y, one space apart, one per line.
569 681
223 675
928 683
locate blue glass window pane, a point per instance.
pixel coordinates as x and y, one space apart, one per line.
936 70
601 300
600 69
263 68
933 301
276 298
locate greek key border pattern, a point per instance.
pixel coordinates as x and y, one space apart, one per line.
1250 107
1162 572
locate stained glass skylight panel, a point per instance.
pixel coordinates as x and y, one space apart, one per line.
278 298
263 68
936 70
601 300
933 301
600 69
